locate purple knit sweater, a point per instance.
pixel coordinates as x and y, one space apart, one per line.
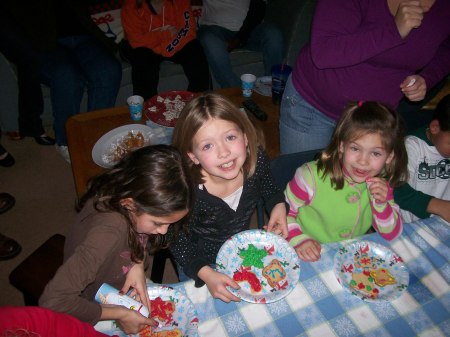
356 53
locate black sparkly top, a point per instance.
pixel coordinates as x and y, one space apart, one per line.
212 221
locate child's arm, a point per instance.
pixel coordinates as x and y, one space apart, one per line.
386 213
440 207
300 192
129 321
413 201
309 250
273 197
421 204
136 279
187 252
277 221
217 284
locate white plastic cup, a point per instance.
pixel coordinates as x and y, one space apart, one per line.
248 82
107 294
135 104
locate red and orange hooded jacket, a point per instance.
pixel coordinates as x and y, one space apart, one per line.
145 29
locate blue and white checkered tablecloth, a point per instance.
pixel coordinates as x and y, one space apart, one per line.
319 306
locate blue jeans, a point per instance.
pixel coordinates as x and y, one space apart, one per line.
266 38
302 127
79 62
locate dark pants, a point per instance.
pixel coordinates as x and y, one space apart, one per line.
77 63
17 49
146 65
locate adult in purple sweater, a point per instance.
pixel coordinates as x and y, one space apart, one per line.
362 50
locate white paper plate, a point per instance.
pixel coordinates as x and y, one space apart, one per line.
263 86
264 265
371 271
182 316
103 152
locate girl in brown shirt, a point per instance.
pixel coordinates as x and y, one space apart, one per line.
125 210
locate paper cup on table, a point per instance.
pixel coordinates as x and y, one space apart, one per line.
135 104
248 82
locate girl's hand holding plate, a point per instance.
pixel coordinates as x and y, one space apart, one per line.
217 284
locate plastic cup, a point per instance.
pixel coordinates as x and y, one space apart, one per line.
135 104
280 74
248 82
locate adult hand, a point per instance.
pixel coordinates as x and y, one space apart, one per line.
416 91
136 280
217 284
409 15
278 221
309 251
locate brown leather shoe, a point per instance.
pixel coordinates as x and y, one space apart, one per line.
9 248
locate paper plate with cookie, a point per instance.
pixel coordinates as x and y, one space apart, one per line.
174 312
263 264
371 271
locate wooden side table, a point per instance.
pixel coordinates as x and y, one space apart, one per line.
83 131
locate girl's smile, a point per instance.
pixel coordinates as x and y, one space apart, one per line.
364 157
220 147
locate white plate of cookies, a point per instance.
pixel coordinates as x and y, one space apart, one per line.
262 263
117 143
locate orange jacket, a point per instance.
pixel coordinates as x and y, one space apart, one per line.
144 29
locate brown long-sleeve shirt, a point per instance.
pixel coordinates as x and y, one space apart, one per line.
96 252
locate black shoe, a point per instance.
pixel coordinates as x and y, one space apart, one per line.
9 248
7 201
44 140
7 161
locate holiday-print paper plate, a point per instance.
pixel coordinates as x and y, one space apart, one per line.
174 312
262 263
371 271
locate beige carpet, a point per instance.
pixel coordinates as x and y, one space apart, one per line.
42 183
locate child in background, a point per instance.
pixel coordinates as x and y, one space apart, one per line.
428 188
232 173
124 210
157 31
348 189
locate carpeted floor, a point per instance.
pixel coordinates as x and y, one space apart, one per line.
42 183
